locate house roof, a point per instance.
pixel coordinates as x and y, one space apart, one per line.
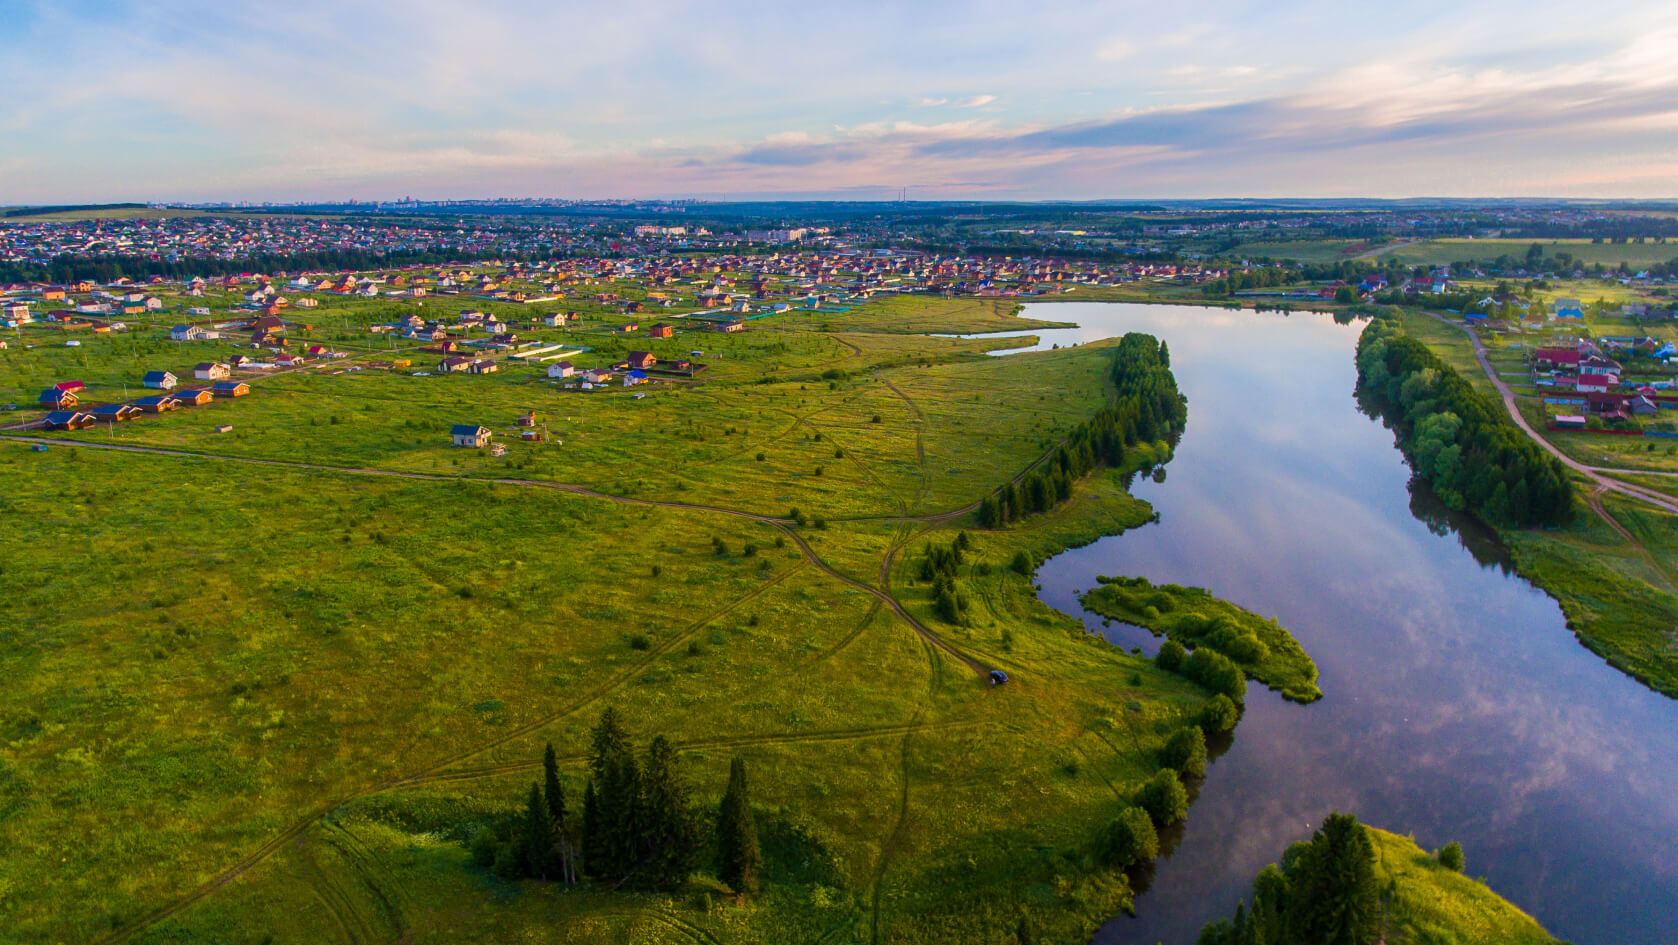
157 375
467 429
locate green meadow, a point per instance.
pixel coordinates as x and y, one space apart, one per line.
265 684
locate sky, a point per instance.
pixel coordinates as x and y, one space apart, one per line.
209 100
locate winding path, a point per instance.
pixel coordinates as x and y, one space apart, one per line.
1596 474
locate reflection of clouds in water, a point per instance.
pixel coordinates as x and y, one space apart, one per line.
1458 705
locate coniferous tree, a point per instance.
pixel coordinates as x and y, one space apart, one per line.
617 829
554 794
536 842
738 855
669 840
1336 898
592 845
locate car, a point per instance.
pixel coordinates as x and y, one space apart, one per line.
998 677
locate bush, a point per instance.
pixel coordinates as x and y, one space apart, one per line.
1021 563
1219 715
1171 656
1186 752
1129 839
1450 856
1216 672
1164 798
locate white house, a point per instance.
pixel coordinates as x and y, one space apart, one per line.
188 333
562 369
160 380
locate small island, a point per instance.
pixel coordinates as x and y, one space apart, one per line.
1191 616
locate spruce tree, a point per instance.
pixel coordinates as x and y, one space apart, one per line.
554 793
616 830
1337 900
536 842
738 855
669 842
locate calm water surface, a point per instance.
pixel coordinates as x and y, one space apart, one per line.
1457 704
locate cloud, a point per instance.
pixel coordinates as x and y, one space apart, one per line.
1115 49
976 101
930 103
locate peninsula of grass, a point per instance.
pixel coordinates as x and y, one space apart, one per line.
1263 649
1358 885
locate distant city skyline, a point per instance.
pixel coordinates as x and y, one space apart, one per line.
193 101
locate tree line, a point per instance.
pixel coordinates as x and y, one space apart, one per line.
1147 408
637 826
1466 449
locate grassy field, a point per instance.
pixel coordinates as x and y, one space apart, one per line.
1446 251
1430 903
263 685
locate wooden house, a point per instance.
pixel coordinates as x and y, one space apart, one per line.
469 435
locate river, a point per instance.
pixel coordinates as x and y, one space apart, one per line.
1458 706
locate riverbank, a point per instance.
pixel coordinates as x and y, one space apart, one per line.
1603 565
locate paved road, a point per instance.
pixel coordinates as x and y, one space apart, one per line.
1594 473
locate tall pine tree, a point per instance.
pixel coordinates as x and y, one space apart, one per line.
536 841
554 793
738 855
615 831
669 840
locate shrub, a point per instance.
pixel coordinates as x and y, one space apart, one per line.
1216 672
1130 838
1450 856
1021 563
1219 715
1186 752
1171 656
1164 798
640 641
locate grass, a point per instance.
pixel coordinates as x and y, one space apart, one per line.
1446 251
1432 904
216 648
1193 617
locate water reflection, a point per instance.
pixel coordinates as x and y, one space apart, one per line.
1458 705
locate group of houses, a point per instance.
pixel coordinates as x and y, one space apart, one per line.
65 411
1582 375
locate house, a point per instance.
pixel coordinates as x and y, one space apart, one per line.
71 386
531 436
528 420
211 371
597 376
188 333
634 377
730 326
483 366
68 420
114 413
1597 382
562 369
194 398
1598 365
307 303
469 435
239 361
230 389
454 365
53 397
157 403
290 360
661 330
1548 359
640 360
